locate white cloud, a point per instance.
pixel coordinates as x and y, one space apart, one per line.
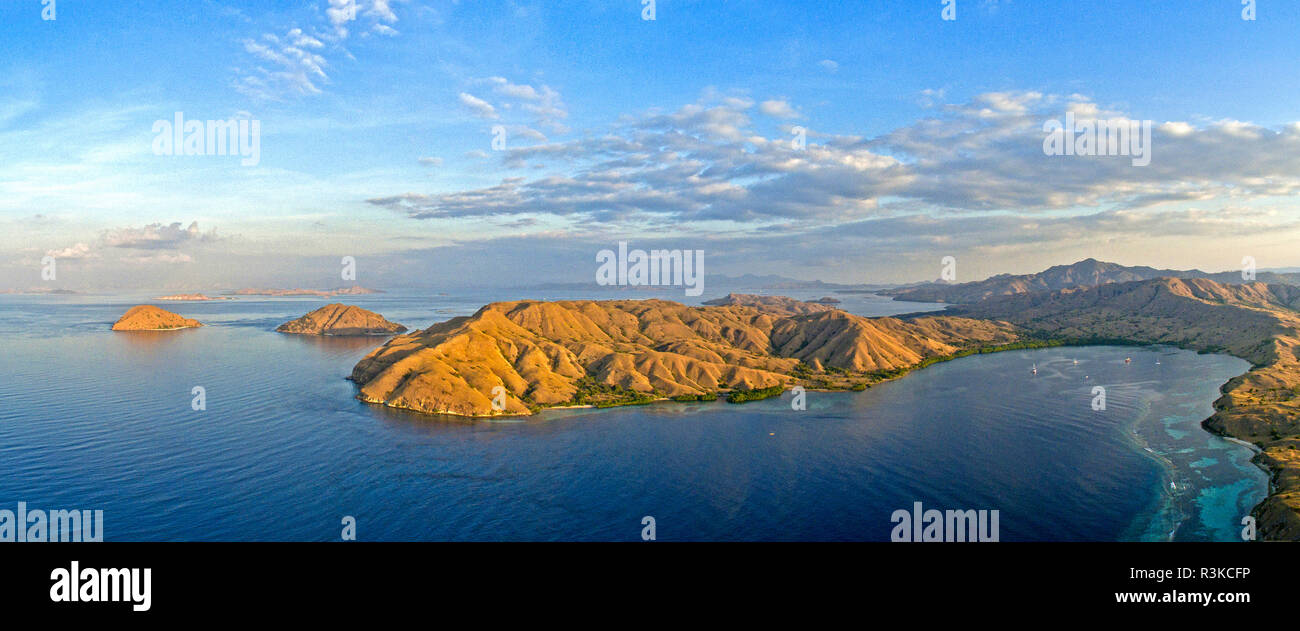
164 258
778 109
156 236
340 13
542 103
77 252
477 106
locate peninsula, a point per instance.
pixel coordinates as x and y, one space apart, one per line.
620 352
151 318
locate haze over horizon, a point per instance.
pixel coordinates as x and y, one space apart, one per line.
924 139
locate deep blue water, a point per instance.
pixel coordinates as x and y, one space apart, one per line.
91 419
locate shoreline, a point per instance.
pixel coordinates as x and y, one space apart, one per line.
1166 498
173 328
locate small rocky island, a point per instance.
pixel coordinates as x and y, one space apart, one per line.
151 318
340 319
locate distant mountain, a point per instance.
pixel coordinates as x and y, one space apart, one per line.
1086 273
355 290
769 282
780 305
40 291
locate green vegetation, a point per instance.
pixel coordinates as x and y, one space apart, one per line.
757 394
603 395
687 398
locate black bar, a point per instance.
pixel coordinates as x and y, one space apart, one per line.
240 579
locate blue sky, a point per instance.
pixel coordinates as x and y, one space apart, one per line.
377 121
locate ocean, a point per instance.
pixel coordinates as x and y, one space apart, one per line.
96 420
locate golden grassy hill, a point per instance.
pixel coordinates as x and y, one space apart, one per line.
339 319
1257 322
151 318
780 305
608 352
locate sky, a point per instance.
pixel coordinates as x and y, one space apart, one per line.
451 143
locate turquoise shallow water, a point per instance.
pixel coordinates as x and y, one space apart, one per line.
100 420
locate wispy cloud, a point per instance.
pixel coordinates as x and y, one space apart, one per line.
706 162
295 64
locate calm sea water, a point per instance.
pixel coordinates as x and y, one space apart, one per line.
93 419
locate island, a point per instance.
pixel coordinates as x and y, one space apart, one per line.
355 290
340 319
41 291
151 318
190 298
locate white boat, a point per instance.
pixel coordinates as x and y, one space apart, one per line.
1035 371
1076 362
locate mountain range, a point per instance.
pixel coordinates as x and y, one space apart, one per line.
1088 272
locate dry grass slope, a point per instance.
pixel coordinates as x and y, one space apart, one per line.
563 353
